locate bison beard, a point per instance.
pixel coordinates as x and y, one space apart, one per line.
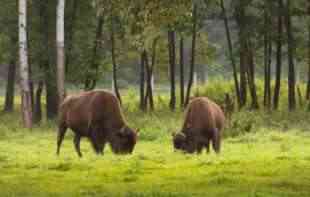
95 115
203 122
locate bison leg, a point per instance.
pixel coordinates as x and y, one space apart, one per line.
95 142
216 140
200 147
61 134
76 141
97 139
95 145
207 145
101 148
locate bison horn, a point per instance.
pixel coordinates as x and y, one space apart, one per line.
174 134
182 134
122 130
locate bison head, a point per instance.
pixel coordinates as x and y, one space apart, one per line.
124 140
184 141
179 141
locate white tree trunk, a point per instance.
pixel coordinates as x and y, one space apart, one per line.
195 80
60 43
24 67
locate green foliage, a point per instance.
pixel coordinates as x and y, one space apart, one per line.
217 87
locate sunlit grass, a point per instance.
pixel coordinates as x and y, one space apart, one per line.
265 154
269 160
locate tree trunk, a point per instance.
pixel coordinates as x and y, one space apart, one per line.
291 51
300 97
279 56
91 81
182 72
49 67
231 55
151 82
243 77
13 55
43 62
116 89
193 55
267 57
149 76
60 43
71 32
31 85
149 93
251 75
142 81
269 61
10 86
24 67
172 64
240 17
37 109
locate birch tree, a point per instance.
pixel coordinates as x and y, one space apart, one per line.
60 49
24 67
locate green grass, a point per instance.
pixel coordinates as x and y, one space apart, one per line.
270 159
265 154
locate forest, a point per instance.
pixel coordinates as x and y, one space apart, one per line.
153 79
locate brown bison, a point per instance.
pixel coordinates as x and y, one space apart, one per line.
203 123
96 115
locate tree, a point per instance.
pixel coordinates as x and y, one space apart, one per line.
142 80
10 90
242 34
24 67
113 55
279 54
231 55
172 65
149 75
72 11
251 74
267 55
291 52
42 59
182 95
50 78
92 75
60 43
192 65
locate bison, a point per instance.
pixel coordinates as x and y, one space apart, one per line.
97 116
203 123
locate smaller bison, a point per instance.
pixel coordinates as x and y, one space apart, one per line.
203 123
96 115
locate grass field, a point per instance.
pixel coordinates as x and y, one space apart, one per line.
271 159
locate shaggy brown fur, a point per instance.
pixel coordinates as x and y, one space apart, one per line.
203 123
97 116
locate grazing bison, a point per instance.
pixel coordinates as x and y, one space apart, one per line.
97 116
203 123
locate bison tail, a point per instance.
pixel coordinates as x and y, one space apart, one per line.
216 140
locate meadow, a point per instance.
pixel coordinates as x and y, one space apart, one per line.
265 154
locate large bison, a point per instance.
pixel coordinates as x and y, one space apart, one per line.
96 115
203 123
